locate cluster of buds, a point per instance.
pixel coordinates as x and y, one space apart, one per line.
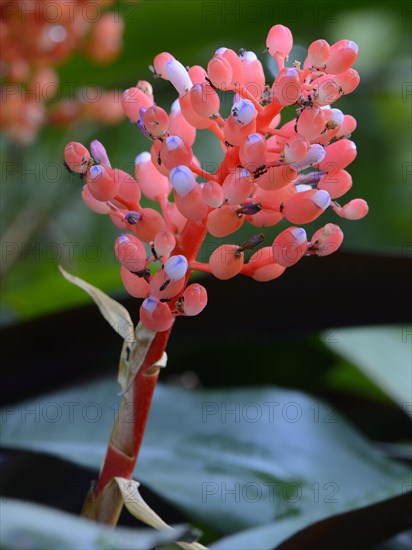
268 172
36 36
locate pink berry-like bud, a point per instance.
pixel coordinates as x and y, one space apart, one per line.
356 209
152 183
253 152
237 186
178 76
191 116
76 156
182 180
296 149
156 315
277 177
102 183
179 126
95 206
163 287
234 62
156 121
99 153
306 206
192 205
220 72
194 299
128 191
311 122
326 240
338 155
266 268
348 80
347 127
327 91
133 100
289 246
164 243
254 75
334 118
175 151
287 87
321 199
136 286
226 261
343 55
156 159
176 267
205 100
336 183
146 88
197 74
243 111
224 220
279 40
315 155
130 252
212 194
159 64
318 53
150 223
236 133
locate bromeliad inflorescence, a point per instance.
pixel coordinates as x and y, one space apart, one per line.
268 173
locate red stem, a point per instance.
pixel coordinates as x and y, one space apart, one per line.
122 463
228 164
103 503
269 112
144 385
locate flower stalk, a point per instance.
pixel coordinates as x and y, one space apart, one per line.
103 502
260 181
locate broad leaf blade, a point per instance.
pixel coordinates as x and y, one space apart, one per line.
232 459
364 526
27 525
383 354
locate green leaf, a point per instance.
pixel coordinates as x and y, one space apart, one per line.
361 528
26 525
400 542
381 353
232 459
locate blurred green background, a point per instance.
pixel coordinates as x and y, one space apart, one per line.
44 221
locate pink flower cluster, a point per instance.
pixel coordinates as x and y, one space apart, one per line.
37 35
269 171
